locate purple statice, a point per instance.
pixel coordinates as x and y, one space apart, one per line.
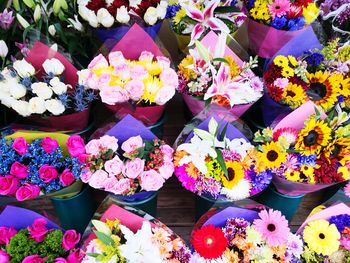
343 17
231 156
340 221
259 181
6 19
208 186
313 59
172 10
187 181
183 255
296 24
235 226
309 160
279 22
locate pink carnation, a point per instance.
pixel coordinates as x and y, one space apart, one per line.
116 58
146 56
122 71
151 181
49 145
164 62
138 72
103 80
170 78
98 62
166 170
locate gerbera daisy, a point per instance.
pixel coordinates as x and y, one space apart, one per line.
209 242
313 136
287 72
281 61
322 237
272 156
294 95
293 176
273 226
307 170
279 8
291 134
322 89
235 173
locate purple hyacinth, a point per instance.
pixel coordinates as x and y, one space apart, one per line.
6 19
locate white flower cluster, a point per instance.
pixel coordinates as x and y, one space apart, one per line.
19 92
105 19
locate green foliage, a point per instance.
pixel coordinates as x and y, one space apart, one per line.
51 247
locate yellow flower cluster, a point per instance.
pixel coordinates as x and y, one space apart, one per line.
260 11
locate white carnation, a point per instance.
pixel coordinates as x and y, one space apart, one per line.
123 16
57 86
23 68
105 18
151 16
21 107
53 66
42 90
54 106
37 105
18 91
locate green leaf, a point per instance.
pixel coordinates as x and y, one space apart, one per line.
223 133
94 255
104 238
221 162
203 51
226 9
318 114
221 60
207 104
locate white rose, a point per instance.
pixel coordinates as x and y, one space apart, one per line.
42 90
52 30
37 105
57 86
21 107
88 15
54 106
83 75
123 16
164 95
23 68
105 18
53 66
18 91
150 16
7 101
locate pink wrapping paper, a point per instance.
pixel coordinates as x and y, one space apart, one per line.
265 41
40 52
326 213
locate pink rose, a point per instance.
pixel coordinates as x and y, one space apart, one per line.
67 177
8 185
103 80
167 151
70 239
134 168
28 191
20 145
113 95
151 180
116 58
169 77
75 257
110 184
146 56
98 178
4 257
33 259
122 71
19 170
82 158
164 95
38 230
76 145
6 234
109 142
60 260
49 145
122 187
135 89
86 175
166 170
98 62
132 143
139 72
93 147
114 166
164 62
47 173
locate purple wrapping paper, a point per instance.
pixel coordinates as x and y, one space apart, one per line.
273 110
20 218
135 197
220 218
129 127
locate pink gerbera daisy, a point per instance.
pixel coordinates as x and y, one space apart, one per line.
289 133
279 8
273 226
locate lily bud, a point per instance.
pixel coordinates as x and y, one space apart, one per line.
58 5
29 3
37 13
3 49
16 6
22 21
52 30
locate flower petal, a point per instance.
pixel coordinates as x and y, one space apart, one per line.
194 13
217 24
196 33
209 10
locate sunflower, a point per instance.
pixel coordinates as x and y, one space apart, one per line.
322 237
281 61
287 72
343 84
294 95
272 155
235 173
293 175
307 170
338 148
322 89
185 70
313 136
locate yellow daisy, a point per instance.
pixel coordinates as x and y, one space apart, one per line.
292 175
281 61
310 13
307 170
293 61
287 72
185 70
179 16
294 95
272 155
152 87
235 174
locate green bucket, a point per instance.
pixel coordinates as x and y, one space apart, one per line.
204 204
158 128
75 212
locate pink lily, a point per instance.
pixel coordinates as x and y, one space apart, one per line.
205 18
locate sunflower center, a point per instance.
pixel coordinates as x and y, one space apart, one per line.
336 150
271 227
290 93
272 155
317 91
311 138
322 236
231 174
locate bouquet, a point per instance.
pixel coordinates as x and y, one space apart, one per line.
306 151
123 236
240 235
217 161
125 164
34 164
326 235
133 81
190 19
320 76
277 21
213 74
29 237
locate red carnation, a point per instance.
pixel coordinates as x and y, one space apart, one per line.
275 92
142 8
112 9
96 5
272 73
302 3
294 12
209 242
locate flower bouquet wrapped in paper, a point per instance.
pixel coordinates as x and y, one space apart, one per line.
218 162
136 79
235 234
213 74
34 164
191 19
326 235
319 75
112 19
306 151
43 88
29 237
272 24
129 161
121 235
